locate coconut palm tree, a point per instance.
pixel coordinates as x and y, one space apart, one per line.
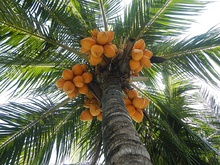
40 38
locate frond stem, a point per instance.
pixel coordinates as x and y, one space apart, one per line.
178 54
53 109
103 15
153 19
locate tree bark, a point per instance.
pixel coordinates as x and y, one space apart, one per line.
121 142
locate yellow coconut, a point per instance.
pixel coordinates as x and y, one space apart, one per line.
134 64
148 53
140 44
138 116
137 70
77 70
67 74
83 90
114 47
97 50
68 87
84 67
146 102
110 35
94 60
85 116
102 38
87 77
127 101
132 94
131 109
137 54
78 81
85 51
87 43
109 51
95 32
138 102
60 82
99 117
72 95
145 62
94 109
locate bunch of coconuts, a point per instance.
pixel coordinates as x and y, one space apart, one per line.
135 105
98 46
74 82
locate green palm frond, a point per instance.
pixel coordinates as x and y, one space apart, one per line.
33 125
170 118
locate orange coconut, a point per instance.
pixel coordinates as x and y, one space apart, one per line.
68 87
110 35
78 81
83 90
72 95
102 38
137 70
109 51
84 67
145 62
99 117
134 64
77 70
140 44
67 74
60 82
138 115
85 51
148 53
94 109
132 94
85 116
95 32
131 109
90 95
127 101
97 50
138 102
146 102
94 60
86 103
114 47
87 43
87 77
137 54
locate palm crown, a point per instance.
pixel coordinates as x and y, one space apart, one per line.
39 39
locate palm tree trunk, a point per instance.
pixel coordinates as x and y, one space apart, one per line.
120 139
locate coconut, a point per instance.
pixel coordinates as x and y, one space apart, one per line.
148 53
138 102
83 90
114 47
97 50
78 81
137 54
94 60
85 51
95 32
109 51
94 109
127 101
67 74
72 95
134 64
77 70
132 94
85 115
68 87
137 70
110 35
87 77
146 102
99 117
87 43
140 44
145 62
90 95
60 82
102 38
138 116
131 109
